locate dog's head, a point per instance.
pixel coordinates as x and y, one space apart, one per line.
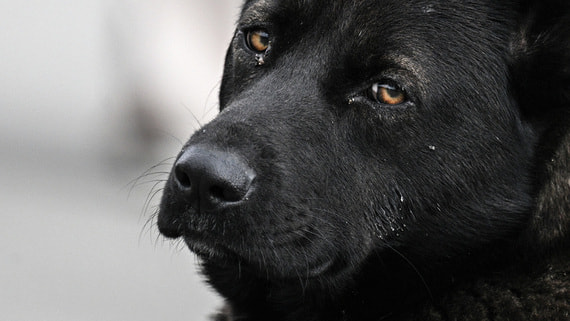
354 127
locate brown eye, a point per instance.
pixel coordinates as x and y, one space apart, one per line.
387 94
258 40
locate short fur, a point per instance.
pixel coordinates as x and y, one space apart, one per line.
454 205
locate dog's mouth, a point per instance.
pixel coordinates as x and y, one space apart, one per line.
209 250
268 261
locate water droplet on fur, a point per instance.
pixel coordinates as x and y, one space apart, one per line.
259 59
431 147
428 8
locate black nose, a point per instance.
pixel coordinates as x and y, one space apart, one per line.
211 179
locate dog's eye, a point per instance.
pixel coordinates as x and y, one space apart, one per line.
258 40
388 94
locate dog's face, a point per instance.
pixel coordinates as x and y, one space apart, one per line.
355 127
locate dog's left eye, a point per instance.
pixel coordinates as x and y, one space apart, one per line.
388 94
257 40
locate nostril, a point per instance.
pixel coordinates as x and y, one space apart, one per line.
228 193
218 192
182 177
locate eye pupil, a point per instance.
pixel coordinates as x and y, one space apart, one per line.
392 93
258 40
387 94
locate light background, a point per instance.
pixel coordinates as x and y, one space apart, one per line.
92 94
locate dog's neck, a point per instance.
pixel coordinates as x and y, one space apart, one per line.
397 288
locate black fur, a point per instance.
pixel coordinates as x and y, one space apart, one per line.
453 205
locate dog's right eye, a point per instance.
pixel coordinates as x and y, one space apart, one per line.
257 40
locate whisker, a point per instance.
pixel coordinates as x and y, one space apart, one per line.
154 191
148 225
412 265
149 172
207 110
193 115
152 181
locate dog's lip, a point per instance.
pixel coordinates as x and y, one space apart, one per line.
207 249
214 251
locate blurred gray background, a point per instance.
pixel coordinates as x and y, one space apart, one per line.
92 94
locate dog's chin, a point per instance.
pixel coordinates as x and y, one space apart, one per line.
210 251
261 262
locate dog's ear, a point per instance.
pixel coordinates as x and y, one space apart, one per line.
540 51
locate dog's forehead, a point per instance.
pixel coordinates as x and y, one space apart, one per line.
384 13
366 36
369 20
342 9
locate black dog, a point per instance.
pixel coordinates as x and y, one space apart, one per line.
385 160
